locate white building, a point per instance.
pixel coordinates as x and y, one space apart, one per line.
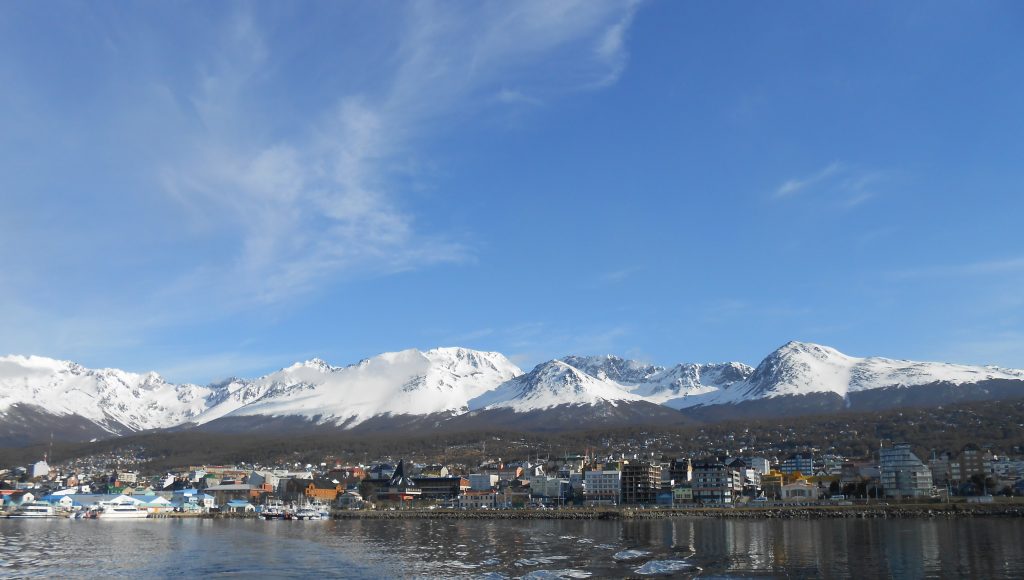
602 487
903 473
762 465
40 469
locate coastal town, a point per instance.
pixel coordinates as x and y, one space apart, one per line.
118 486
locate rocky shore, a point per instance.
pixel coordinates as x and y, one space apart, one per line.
782 512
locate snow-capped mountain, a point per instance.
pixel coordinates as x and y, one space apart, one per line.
408 382
659 384
799 368
552 384
117 401
418 390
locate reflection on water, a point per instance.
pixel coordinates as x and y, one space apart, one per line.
509 548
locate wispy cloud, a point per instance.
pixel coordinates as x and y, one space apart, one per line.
848 185
325 203
792 187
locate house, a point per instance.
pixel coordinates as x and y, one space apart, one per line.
350 500
238 506
61 502
682 493
192 500
800 490
155 503
316 489
224 493
486 499
19 498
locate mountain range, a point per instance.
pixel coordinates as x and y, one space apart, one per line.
410 390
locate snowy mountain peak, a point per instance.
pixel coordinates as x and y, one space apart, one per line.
659 384
113 399
409 381
315 363
612 367
801 368
552 384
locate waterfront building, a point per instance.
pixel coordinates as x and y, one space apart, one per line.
484 499
238 506
641 482
400 487
682 494
716 482
602 487
903 473
751 477
678 471
222 494
800 490
441 488
771 484
552 488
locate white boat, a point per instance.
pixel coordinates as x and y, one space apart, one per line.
116 511
35 509
322 510
273 510
307 513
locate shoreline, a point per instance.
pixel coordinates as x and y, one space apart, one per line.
924 511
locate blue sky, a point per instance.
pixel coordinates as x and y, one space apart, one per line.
213 189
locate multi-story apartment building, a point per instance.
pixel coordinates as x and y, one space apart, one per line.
602 487
903 473
974 461
802 462
715 482
641 482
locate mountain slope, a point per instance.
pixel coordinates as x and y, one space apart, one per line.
114 400
659 384
552 384
408 382
798 369
455 388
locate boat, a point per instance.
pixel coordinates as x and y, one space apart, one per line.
323 511
307 513
116 511
35 509
274 510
